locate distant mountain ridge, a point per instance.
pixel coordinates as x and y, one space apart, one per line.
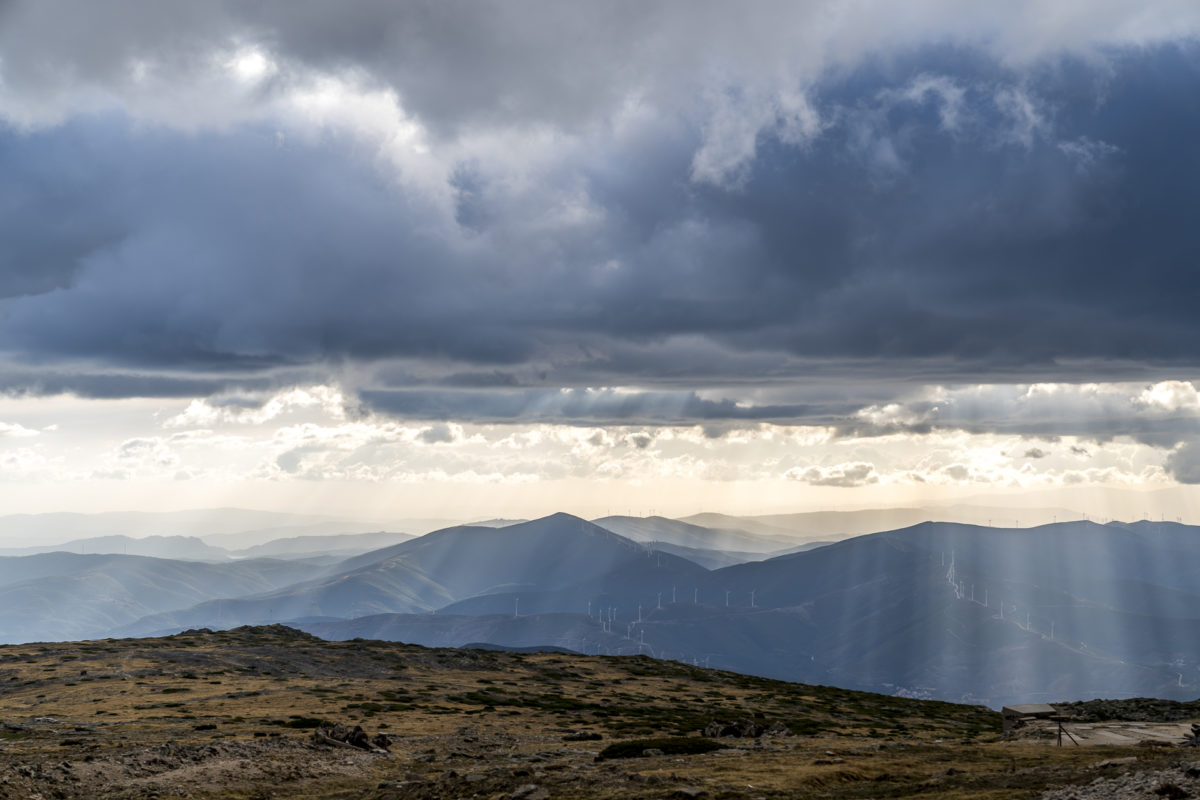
182 547
836 525
685 534
58 527
228 528
354 543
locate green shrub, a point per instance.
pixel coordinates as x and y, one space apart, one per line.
306 722
674 746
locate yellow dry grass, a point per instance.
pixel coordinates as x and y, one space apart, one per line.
223 715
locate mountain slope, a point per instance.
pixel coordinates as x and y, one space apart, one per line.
395 589
547 553
642 581
709 559
427 573
346 544
66 595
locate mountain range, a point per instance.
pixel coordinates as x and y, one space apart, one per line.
1069 610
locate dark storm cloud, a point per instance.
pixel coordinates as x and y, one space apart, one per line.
240 252
480 380
950 216
582 406
1183 464
980 249
454 63
113 385
48 233
462 64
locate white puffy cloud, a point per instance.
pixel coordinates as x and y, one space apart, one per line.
840 475
14 431
245 410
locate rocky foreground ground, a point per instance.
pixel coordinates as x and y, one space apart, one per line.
272 712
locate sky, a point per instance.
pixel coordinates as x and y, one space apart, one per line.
473 259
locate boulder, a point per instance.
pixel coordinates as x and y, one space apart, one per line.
340 735
744 728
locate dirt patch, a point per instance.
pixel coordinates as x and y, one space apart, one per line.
1110 733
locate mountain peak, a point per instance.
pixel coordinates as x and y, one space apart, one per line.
557 519
561 516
